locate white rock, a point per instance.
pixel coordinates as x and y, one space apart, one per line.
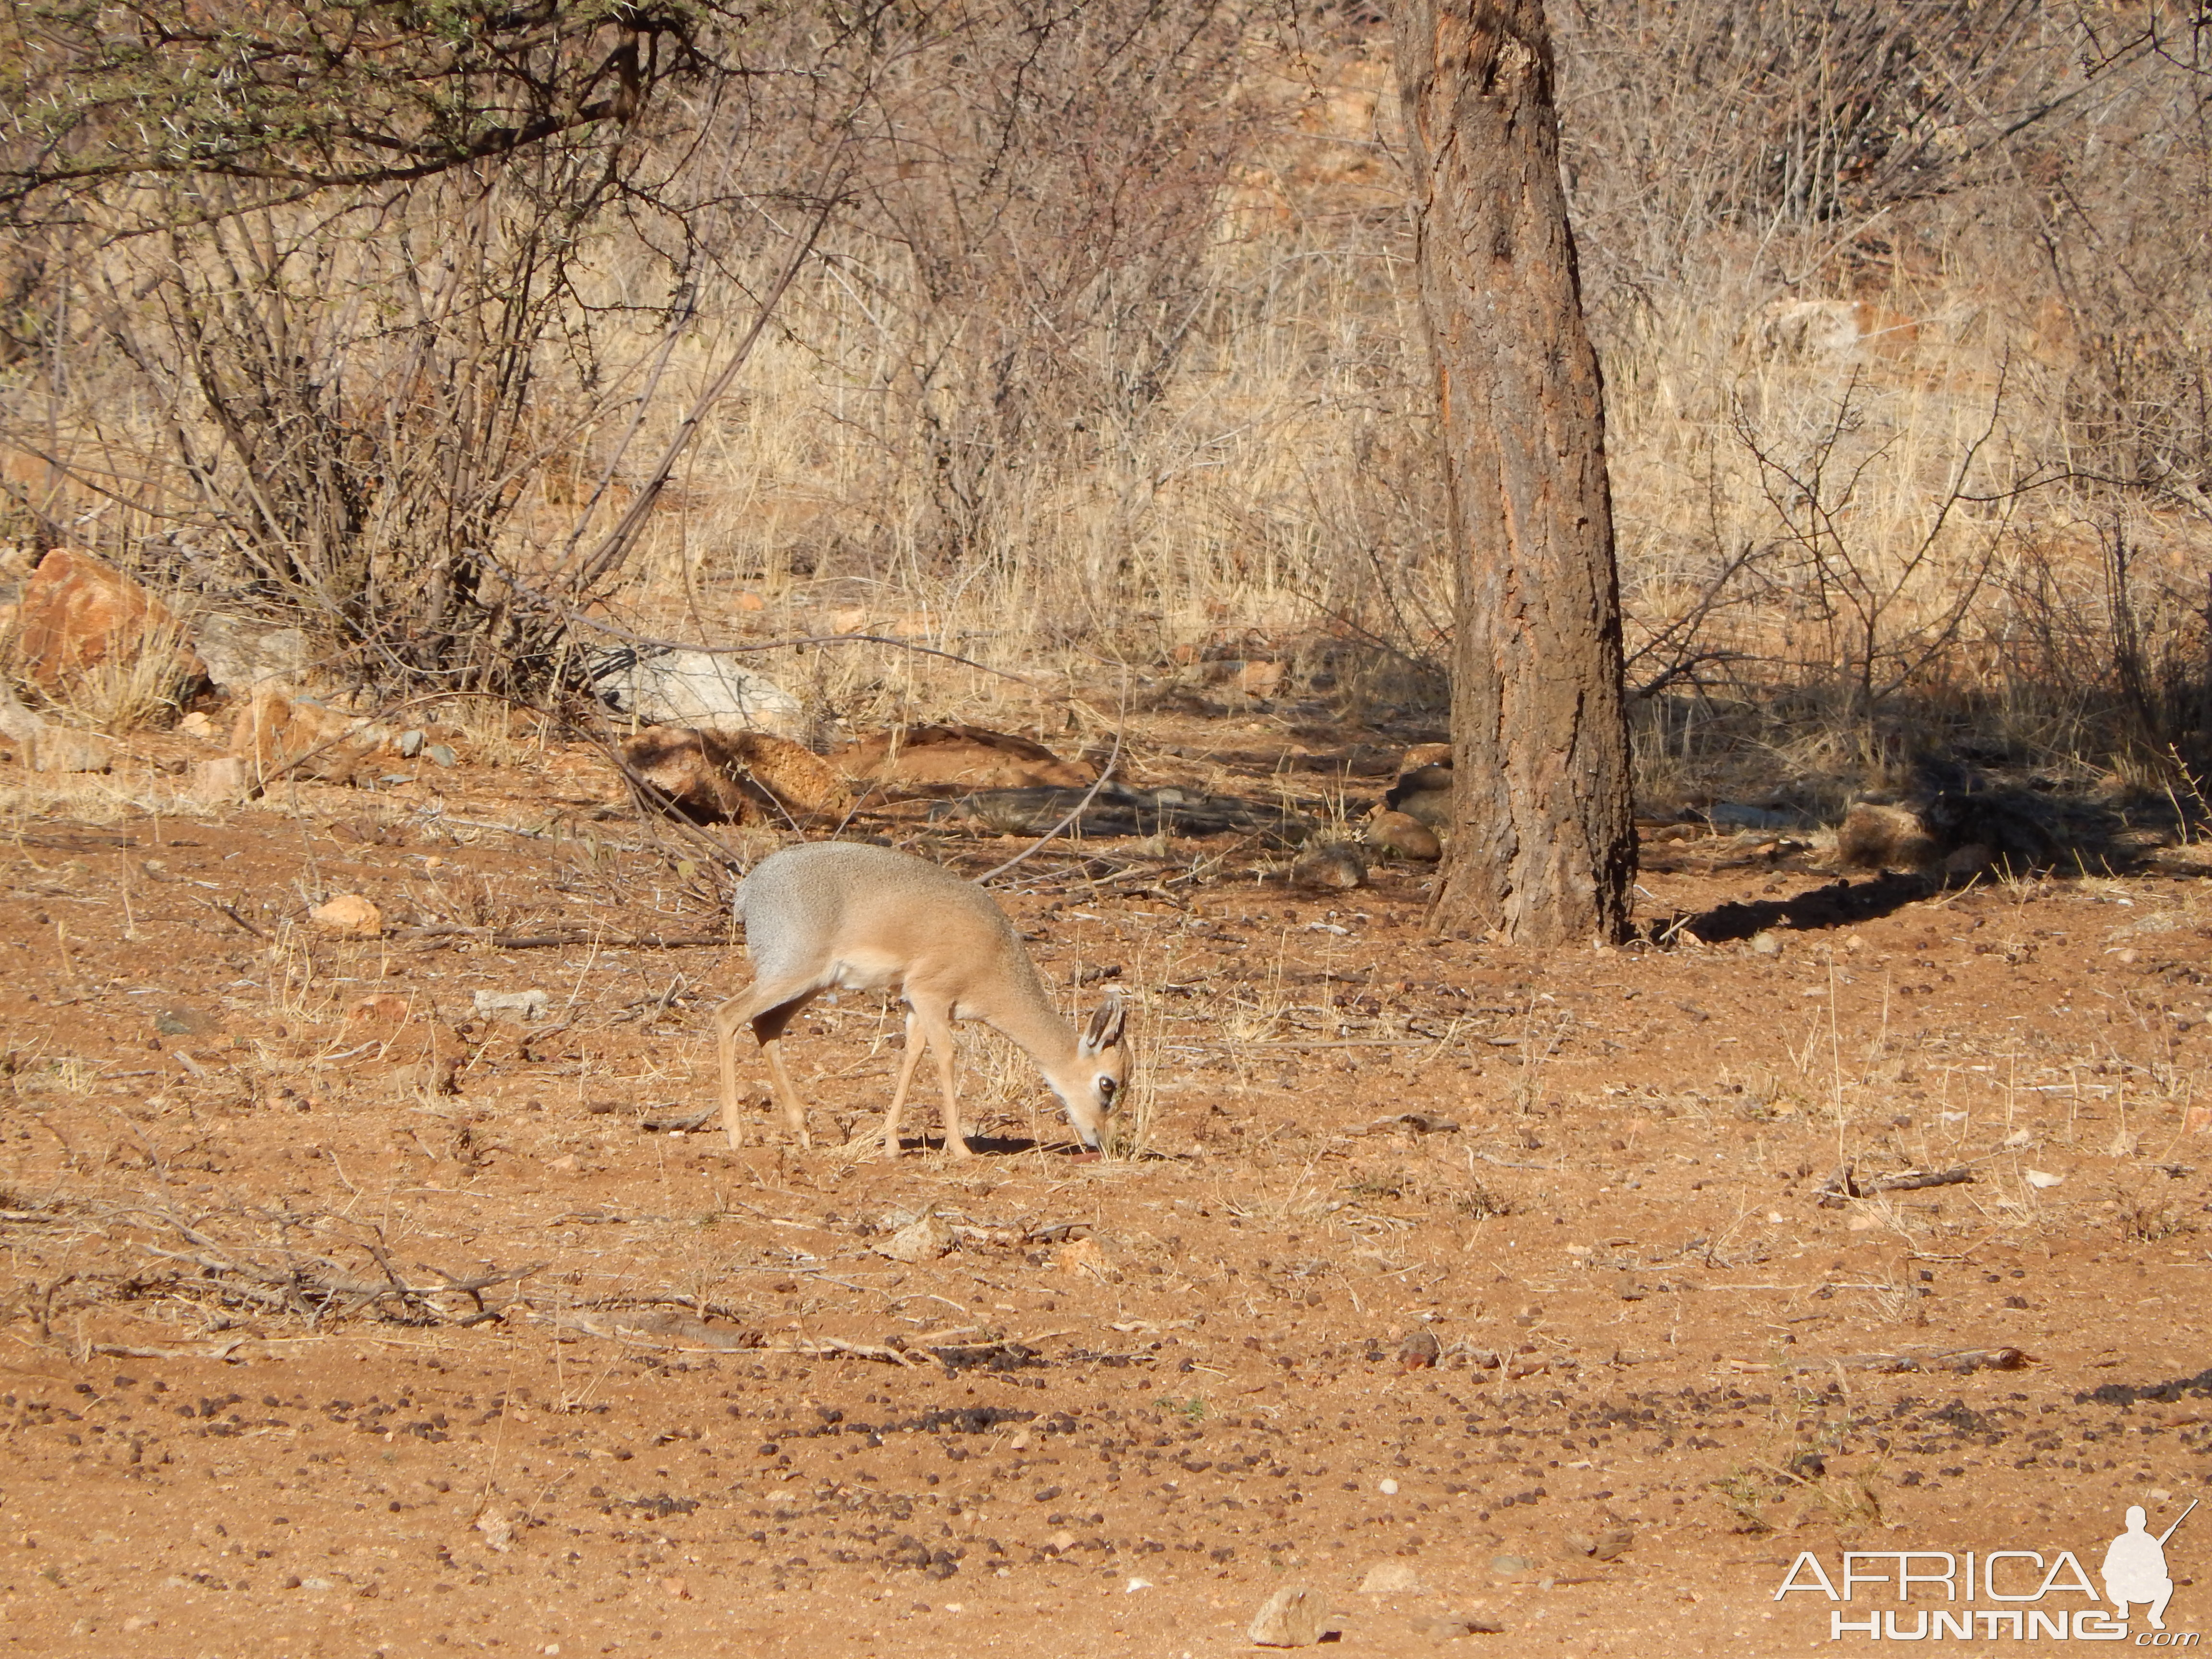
241 652
2042 1178
1387 1487
696 689
524 1005
497 1529
1288 1619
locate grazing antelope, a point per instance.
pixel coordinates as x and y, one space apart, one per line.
838 914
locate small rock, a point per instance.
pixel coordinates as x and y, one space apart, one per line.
2019 1137
1337 866
383 1008
1419 1351
216 782
349 917
441 754
18 724
1288 1619
2124 1143
2041 1179
675 1589
1605 1546
521 1005
1062 1540
565 1164
1403 835
408 744
137 1622
1387 1486
1508 1566
1766 942
1393 1579
279 733
184 1021
1080 1255
498 1531
924 1240
58 749
736 777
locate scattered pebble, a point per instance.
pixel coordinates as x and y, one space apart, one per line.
1388 1488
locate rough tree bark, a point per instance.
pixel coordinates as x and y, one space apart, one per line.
1544 846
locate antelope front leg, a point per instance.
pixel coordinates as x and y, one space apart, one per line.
907 1062
940 1044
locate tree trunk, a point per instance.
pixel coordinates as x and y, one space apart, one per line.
1543 845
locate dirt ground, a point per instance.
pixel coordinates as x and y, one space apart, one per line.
342 1318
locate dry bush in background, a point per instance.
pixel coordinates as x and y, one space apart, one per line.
1104 362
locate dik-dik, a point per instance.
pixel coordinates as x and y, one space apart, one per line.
839 915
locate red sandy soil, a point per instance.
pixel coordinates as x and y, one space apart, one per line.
689 1408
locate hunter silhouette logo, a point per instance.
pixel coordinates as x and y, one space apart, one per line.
2022 1594
2134 1566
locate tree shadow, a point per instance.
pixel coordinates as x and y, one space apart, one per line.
1840 904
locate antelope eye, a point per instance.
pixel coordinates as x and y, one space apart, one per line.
1106 1088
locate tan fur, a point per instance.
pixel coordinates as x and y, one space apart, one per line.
839 914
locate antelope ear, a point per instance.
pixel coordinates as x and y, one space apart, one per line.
1104 1030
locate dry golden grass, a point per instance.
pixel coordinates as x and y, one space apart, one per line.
1833 548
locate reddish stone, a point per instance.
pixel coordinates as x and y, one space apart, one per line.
76 612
